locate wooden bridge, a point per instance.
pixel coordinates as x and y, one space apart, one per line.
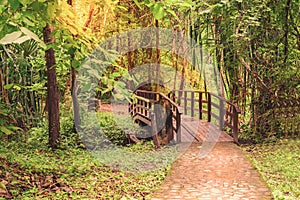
202 115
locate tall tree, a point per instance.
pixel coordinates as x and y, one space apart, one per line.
52 90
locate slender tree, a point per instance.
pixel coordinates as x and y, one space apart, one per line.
52 90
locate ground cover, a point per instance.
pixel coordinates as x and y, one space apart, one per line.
279 164
30 170
27 172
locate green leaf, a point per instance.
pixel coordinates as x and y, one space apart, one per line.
170 11
5 130
33 36
71 50
2 186
38 6
51 9
75 64
3 2
13 24
12 85
8 86
27 21
15 128
24 2
115 74
14 4
1 8
10 38
158 10
147 3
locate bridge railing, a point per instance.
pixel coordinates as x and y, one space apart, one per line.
176 115
144 106
141 109
209 106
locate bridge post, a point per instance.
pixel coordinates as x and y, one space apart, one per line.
222 113
178 126
192 103
200 105
185 102
208 107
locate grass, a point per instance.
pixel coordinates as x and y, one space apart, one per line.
30 170
27 172
279 164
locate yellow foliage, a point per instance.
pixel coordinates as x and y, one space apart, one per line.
87 18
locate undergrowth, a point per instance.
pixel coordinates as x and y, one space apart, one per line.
30 170
279 164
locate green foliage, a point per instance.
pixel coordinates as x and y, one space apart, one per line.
29 171
111 130
255 44
6 120
279 162
158 10
25 83
38 136
68 134
115 127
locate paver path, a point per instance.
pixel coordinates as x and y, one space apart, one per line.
225 173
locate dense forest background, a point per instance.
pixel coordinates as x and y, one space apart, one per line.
255 44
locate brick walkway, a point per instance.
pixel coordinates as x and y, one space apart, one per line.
225 173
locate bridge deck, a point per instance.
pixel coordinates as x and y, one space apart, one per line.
201 130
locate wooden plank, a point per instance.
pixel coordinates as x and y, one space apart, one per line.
204 131
143 119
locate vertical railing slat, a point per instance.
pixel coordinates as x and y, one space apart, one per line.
200 105
221 113
185 102
208 107
192 103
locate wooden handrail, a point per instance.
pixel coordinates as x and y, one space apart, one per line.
171 102
232 113
149 98
143 99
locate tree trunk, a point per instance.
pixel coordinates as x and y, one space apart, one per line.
157 56
52 91
130 53
77 120
73 88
